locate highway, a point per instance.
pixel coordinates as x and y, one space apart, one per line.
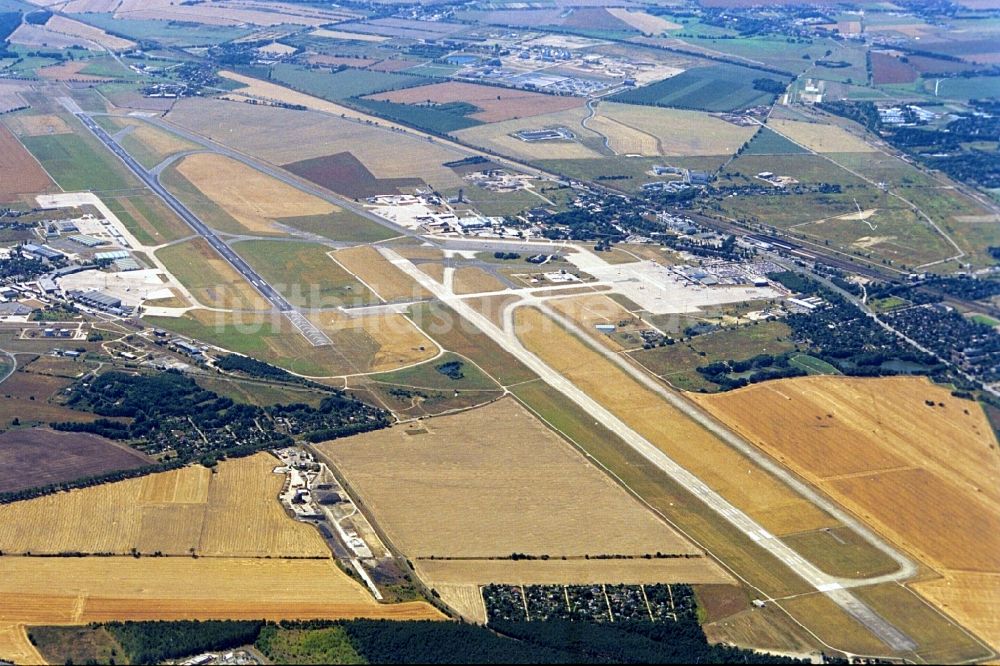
314 335
834 588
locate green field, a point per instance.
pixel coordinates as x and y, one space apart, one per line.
813 365
168 33
677 363
440 119
341 226
148 218
300 646
711 88
77 163
985 320
427 375
768 142
304 273
273 340
343 84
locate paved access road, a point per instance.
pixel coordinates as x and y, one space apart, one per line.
311 333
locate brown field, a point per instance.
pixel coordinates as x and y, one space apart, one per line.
282 136
463 476
887 68
397 342
570 572
419 252
466 599
15 646
26 396
37 36
252 198
358 62
37 125
209 277
39 457
495 104
394 65
233 512
767 500
67 26
765 628
101 589
345 174
474 280
436 271
821 138
390 283
19 172
643 22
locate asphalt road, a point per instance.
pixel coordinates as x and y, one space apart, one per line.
311 333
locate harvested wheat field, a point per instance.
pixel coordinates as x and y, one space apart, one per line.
770 502
395 341
693 570
282 136
158 143
15 646
643 22
70 71
821 138
466 599
652 131
70 590
20 173
390 283
490 482
233 512
67 26
495 104
474 280
252 198
922 475
970 598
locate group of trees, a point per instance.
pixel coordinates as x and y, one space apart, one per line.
156 642
170 414
764 367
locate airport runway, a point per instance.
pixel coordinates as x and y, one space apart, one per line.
834 588
314 335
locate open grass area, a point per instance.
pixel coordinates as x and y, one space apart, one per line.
455 334
343 84
78 163
813 365
733 475
148 218
209 277
710 88
676 363
449 372
267 339
342 225
304 273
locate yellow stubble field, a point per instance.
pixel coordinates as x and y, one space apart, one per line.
492 481
379 274
769 501
252 198
922 475
231 512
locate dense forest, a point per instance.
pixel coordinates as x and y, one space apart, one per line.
428 642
